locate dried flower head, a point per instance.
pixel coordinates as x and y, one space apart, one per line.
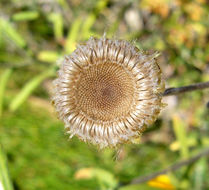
108 92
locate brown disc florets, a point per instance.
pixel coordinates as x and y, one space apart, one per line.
108 92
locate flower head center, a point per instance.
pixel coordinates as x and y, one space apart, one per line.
105 92
108 92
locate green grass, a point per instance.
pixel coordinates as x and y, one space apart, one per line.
41 157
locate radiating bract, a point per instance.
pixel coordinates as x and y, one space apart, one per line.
107 92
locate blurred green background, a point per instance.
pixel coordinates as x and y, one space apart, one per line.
34 150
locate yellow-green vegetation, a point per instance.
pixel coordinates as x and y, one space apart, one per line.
34 150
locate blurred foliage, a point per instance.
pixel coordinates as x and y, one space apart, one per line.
35 34
5 182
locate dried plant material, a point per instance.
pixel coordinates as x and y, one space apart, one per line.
108 92
160 7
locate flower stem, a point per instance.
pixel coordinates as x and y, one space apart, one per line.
183 89
171 168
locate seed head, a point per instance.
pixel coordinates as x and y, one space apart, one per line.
107 92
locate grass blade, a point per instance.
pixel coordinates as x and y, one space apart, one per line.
3 82
72 36
5 183
29 88
57 21
25 15
180 132
92 18
200 171
48 56
9 31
